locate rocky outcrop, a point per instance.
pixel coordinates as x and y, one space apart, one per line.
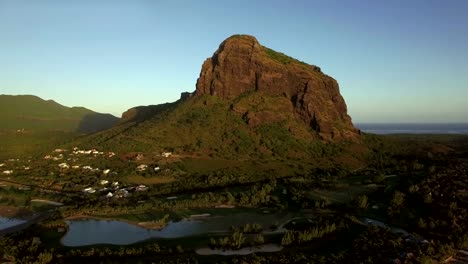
142 113
242 65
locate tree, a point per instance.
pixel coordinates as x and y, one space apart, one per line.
396 203
258 239
44 258
398 200
238 239
288 238
362 202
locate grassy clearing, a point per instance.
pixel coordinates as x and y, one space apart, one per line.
31 143
344 194
138 179
42 207
14 211
208 164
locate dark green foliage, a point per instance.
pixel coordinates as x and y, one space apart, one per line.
298 237
207 126
362 202
278 139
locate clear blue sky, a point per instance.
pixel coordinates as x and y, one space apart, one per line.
395 61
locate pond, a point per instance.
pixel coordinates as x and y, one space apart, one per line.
9 222
91 231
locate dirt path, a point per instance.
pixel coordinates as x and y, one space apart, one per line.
15 212
47 202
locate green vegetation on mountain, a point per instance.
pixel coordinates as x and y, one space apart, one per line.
15 144
28 112
209 126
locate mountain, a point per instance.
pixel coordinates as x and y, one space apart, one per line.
33 113
249 101
241 65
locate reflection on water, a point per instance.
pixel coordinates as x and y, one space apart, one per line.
9 222
90 231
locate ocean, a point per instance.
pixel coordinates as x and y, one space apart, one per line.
395 128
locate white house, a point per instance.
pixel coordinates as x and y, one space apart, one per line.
142 167
64 165
89 190
7 172
121 193
109 195
166 154
156 168
104 182
58 158
141 188
115 184
106 171
3 164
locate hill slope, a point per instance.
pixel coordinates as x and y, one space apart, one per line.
33 113
250 102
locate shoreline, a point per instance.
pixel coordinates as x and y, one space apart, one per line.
88 217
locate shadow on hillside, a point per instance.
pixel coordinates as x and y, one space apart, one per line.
142 113
96 122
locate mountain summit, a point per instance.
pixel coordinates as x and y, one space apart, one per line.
241 65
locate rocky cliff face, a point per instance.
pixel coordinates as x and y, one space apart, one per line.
242 65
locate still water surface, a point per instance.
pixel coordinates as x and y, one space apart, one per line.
91 231
9 222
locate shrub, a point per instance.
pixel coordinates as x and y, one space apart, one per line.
258 239
362 202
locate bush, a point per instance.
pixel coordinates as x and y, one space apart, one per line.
288 238
258 239
362 202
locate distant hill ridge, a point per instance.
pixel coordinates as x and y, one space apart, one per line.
34 113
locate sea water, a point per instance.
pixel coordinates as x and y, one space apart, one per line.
408 128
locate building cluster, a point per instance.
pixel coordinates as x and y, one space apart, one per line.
69 160
9 166
58 154
144 167
114 189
